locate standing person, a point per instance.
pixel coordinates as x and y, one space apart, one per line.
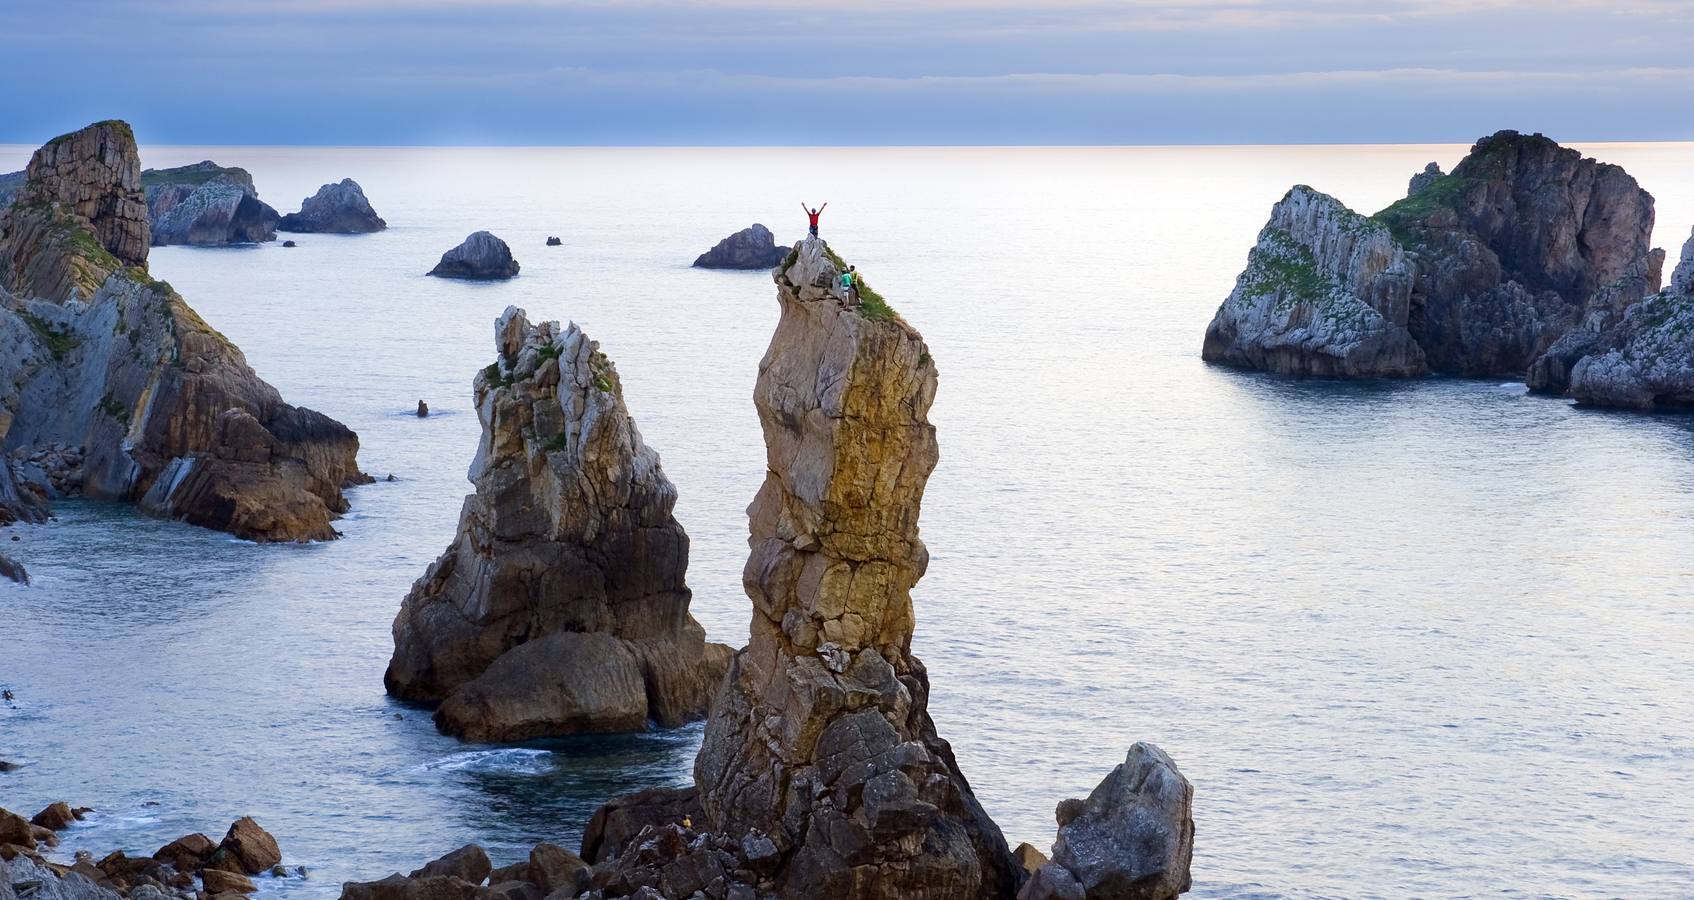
813 214
849 287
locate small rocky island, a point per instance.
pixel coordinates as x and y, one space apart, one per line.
206 204
339 208
481 257
821 774
562 605
753 247
1509 266
112 387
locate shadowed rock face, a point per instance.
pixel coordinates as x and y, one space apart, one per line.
561 606
1483 270
206 204
482 257
753 247
159 408
335 209
821 736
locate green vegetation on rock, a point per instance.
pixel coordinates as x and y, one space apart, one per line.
1403 216
57 340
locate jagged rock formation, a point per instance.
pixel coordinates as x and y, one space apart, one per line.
482 257
10 184
1481 270
561 606
753 247
1645 359
821 738
139 398
335 209
206 204
1430 175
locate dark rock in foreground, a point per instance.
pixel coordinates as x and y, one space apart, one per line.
12 570
753 247
562 605
1478 272
335 209
168 413
482 257
169 874
206 204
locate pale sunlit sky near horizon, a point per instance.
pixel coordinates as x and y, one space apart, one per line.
793 72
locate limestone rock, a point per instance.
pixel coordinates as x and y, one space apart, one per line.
22 878
335 209
561 606
482 257
1133 838
109 376
206 203
1478 272
1429 176
753 247
820 737
1646 360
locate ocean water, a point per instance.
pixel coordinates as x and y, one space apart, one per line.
1423 638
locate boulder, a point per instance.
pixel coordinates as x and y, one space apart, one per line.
482 257
1479 272
252 846
138 398
12 570
468 863
206 203
561 606
399 887
289 244
620 819
753 247
218 881
1051 881
187 853
1133 837
15 829
423 409
335 209
55 817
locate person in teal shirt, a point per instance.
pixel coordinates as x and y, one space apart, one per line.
850 286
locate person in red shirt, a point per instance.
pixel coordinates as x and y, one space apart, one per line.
813 214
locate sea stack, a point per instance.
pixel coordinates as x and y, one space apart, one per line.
1645 360
116 389
561 606
335 209
753 247
481 257
206 204
1478 272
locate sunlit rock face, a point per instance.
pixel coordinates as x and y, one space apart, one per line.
561 606
1478 272
112 387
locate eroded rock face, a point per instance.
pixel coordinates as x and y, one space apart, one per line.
1646 359
95 175
753 247
339 208
562 605
206 204
821 736
1524 242
113 370
482 257
1133 837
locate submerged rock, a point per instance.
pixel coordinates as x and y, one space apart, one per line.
561 606
1478 272
482 257
136 396
206 203
753 247
335 209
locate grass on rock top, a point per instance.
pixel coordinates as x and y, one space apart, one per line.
1403 215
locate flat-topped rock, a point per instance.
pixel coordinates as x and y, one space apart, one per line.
206 204
562 605
753 247
339 208
482 257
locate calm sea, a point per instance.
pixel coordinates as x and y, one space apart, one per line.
1423 638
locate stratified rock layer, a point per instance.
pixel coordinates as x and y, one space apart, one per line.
1478 272
481 257
753 247
339 208
561 606
821 736
112 369
206 204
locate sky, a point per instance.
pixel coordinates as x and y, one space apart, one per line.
846 72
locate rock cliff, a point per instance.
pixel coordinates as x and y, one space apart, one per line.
335 209
206 204
1645 359
133 394
753 247
1482 269
561 606
481 257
